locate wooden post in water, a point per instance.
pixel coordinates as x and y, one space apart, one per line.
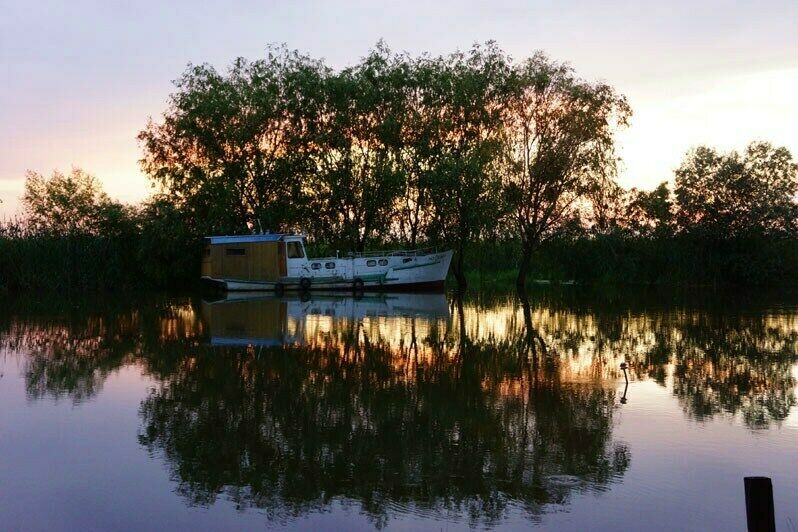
759 504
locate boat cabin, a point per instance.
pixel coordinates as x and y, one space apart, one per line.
261 257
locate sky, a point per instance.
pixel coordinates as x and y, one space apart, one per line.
79 79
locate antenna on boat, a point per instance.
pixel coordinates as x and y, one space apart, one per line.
260 227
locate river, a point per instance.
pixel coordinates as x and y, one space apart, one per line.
398 411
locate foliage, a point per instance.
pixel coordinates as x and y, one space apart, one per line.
733 195
168 244
651 213
231 149
559 147
510 163
68 203
465 91
75 238
356 181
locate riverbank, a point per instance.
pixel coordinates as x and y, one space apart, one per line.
131 259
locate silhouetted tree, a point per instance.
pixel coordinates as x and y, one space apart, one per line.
736 194
465 96
559 146
231 149
651 213
355 182
69 203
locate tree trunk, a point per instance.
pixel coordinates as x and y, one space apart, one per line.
523 267
360 243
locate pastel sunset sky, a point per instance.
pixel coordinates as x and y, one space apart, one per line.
81 78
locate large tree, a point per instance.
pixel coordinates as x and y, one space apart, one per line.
69 203
356 182
464 99
736 194
559 145
231 148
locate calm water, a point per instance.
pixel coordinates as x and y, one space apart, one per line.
396 412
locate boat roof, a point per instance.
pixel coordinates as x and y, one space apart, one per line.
244 239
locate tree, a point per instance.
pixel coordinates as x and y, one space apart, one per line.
607 208
231 149
413 161
559 145
651 213
734 195
356 182
464 98
68 203
168 249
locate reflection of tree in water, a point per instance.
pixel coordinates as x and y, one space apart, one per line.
69 359
723 363
728 358
512 412
736 365
71 349
290 430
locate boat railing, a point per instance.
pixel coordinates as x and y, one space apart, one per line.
396 253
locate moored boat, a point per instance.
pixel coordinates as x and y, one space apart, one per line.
274 261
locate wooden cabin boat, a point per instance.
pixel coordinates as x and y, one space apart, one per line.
278 262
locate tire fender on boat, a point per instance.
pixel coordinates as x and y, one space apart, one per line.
357 284
304 283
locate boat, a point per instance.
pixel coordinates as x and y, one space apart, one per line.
278 262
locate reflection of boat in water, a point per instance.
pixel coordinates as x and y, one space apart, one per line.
258 319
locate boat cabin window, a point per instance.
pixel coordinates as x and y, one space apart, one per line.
329 265
408 259
383 262
316 265
235 251
371 263
295 250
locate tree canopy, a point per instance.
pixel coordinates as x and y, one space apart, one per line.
232 149
735 194
560 146
501 159
392 148
68 203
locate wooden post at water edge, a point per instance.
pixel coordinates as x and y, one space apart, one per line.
759 504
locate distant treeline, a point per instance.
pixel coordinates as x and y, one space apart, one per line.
510 163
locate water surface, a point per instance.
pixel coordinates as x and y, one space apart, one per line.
396 412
